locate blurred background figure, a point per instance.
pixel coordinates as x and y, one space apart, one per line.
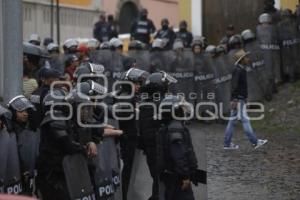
35 39
113 27
101 29
228 33
184 34
142 28
166 33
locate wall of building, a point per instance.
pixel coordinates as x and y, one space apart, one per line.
157 9
291 4
74 21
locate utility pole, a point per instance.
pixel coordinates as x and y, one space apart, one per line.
12 49
57 22
51 19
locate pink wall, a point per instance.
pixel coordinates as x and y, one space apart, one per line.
109 6
158 9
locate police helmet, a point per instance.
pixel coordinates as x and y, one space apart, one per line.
265 18
20 103
248 35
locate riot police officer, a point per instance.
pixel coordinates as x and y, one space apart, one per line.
57 141
70 46
184 34
129 139
166 33
229 33
9 156
27 140
153 91
47 76
142 28
101 29
35 39
179 162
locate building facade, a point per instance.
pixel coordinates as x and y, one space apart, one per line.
76 18
126 11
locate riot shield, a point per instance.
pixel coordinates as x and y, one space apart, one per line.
77 177
104 188
222 81
140 186
257 75
230 58
28 143
102 57
182 69
161 61
287 35
114 69
267 37
142 59
204 85
58 63
12 181
114 151
4 146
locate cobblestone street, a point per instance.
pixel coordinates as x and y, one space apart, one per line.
271 172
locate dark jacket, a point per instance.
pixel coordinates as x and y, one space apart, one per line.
239 87
179 153
167 34
142 29
101 31
186 37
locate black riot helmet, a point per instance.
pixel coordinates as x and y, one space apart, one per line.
173 107
55 100
158 82
47 41
235 42
133 75
89 90
87 71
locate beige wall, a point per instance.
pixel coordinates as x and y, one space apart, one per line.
158 9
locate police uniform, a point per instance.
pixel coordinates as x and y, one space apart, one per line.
142 29
180 160
56 142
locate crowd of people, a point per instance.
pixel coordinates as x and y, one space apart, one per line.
64 144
